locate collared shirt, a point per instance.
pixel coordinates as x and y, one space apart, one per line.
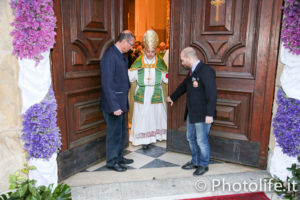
195 65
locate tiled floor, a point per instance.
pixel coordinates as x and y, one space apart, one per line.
154 163
154 157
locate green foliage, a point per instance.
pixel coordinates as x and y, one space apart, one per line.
289 189
24 189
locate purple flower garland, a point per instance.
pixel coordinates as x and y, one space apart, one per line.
290 34
40 132
286 124
34 28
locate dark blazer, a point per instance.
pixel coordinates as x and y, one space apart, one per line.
114 81
201 96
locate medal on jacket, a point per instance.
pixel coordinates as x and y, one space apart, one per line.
195 83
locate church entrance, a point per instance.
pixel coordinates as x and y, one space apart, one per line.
230 36
239 39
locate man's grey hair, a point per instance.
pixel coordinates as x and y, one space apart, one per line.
125 35
189 52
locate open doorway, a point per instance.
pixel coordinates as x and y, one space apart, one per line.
86 29
141 15
138 17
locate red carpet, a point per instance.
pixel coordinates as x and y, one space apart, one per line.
245 196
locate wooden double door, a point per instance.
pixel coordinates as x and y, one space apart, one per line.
238 38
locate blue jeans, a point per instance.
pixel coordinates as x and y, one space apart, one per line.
198 138
116 130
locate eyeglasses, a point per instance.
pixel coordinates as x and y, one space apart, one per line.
131 44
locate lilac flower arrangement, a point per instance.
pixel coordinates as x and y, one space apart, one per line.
290 34
286 124
40 132
34 25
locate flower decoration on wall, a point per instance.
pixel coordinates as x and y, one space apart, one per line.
286 124
34 25
290 34
40 132
33 37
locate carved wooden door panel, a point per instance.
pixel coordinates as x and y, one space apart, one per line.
85 30
239 39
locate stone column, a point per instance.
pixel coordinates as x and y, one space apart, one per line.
11 150
272 141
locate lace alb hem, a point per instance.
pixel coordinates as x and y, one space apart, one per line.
148 137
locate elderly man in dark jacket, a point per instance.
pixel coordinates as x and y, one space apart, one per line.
200 86
114 100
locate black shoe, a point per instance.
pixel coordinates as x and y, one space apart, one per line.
123 165
189 165
145 146
117 167
126 161
200 170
